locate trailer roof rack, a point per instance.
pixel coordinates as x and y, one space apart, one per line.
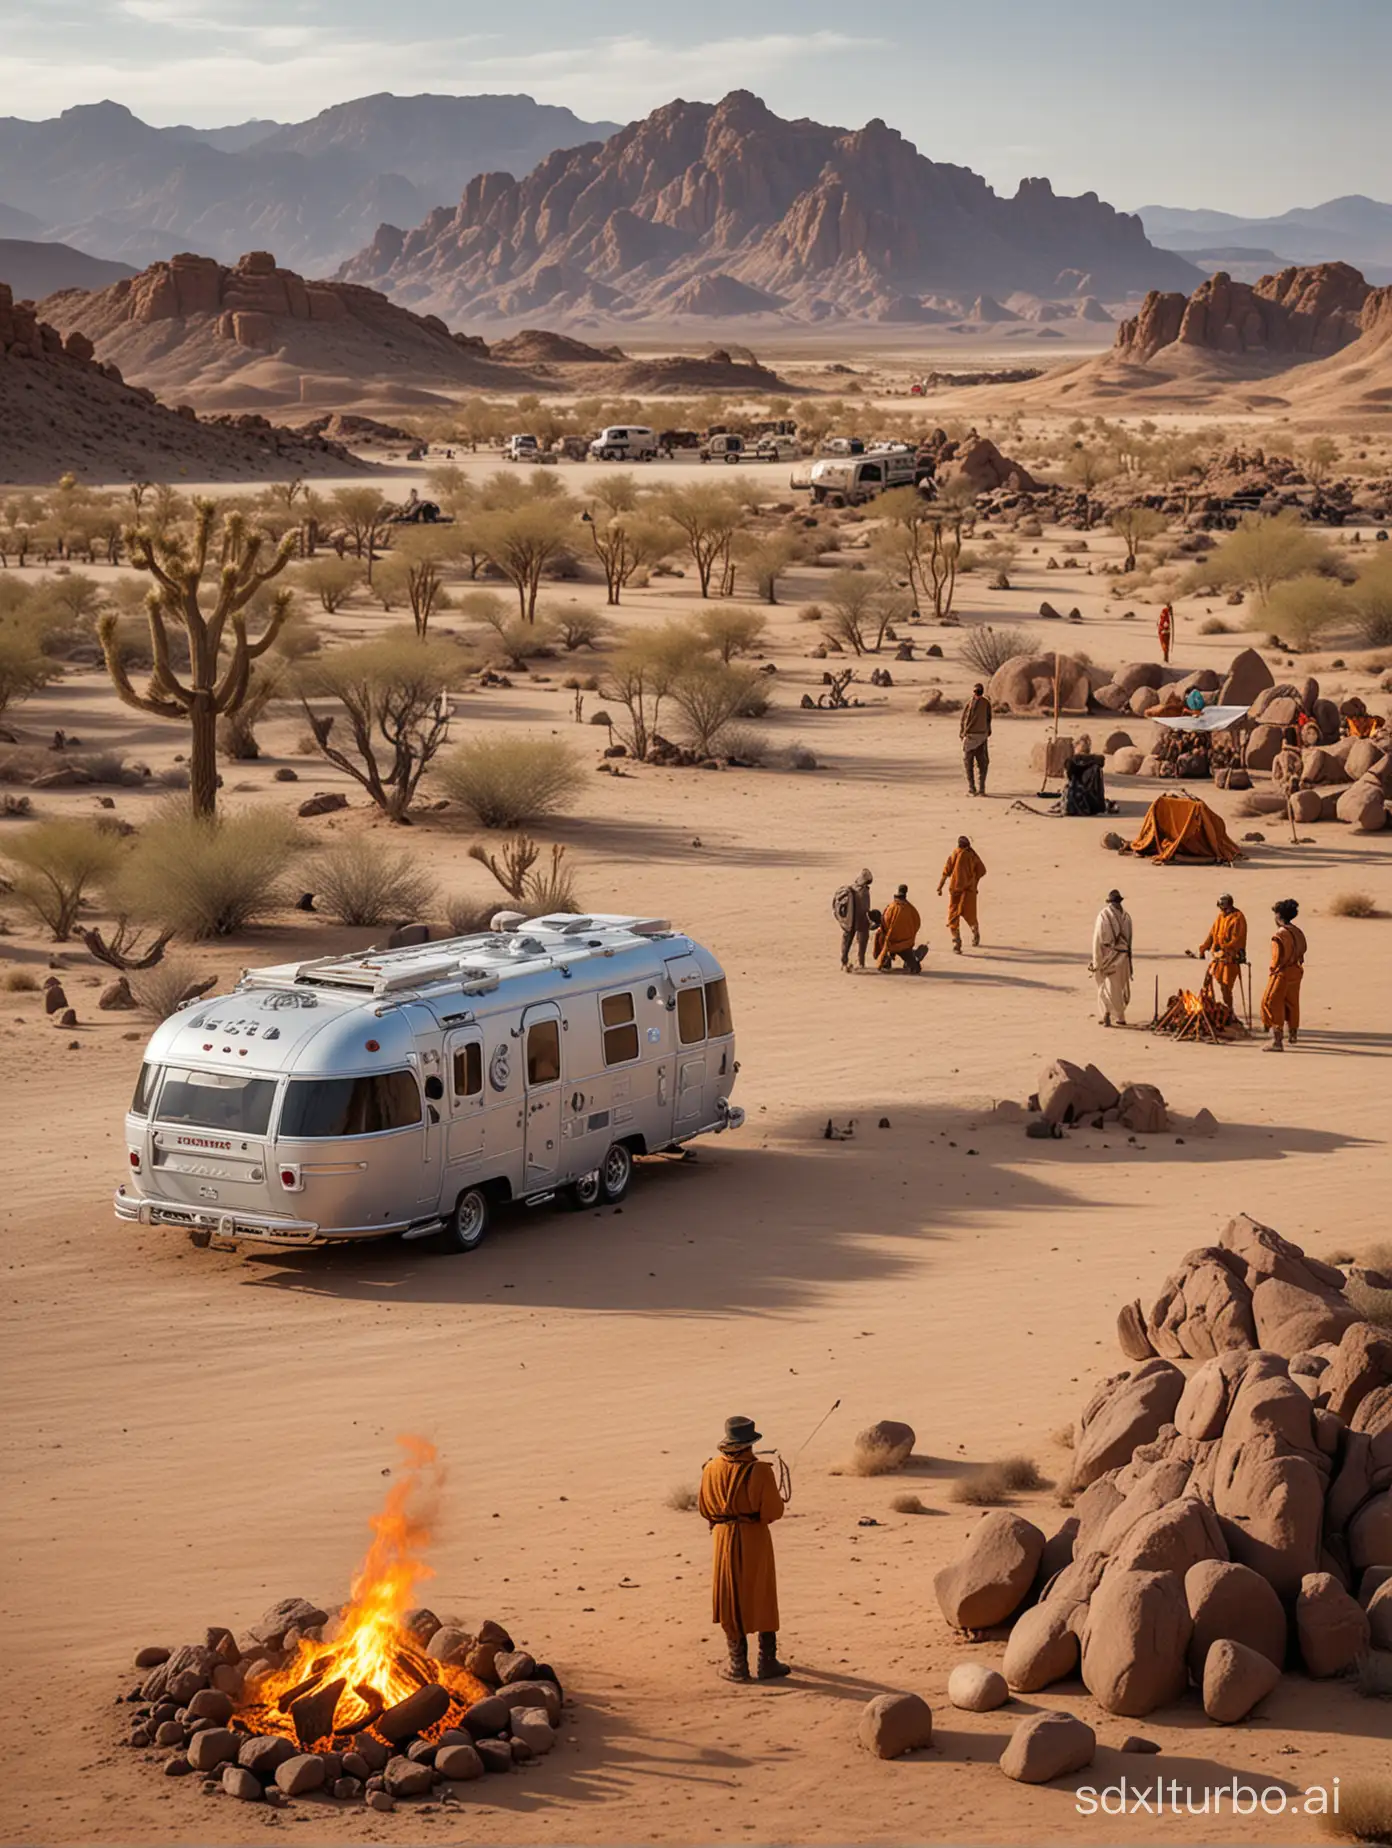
473 964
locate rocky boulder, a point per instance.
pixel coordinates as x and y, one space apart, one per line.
991 1579
893 1724
1046 1746
1135 1641
1127 1410
1235 1679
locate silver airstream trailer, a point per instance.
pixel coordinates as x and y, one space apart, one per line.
413 1091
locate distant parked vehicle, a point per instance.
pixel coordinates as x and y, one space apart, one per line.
723 447
671 440
522 449
624 443
778 449
844 483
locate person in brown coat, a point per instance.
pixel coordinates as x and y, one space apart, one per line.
740 1501
976 739
962 875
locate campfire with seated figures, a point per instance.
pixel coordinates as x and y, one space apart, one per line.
375 1702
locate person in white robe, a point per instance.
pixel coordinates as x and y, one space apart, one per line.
1111 961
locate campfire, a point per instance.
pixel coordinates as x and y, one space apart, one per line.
378 1700
1202 1016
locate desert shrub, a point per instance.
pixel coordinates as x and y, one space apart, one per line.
24 667
207 878
579 628
987 648
1352 905
731 631
175 776
332 580
53 865
683 1499
106 767
908 1504
1214 625
19 982
392 712
871 1460
158 991
15 808
748 745
997 1482
534 888
1298 608
1264 551
358 881
466 916
811 612
21 763
1020 1473
708 696
506 781
1371 601
799 757
1365 1803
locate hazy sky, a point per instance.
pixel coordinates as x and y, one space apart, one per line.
1250 106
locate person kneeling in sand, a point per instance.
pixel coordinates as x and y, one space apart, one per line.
898 935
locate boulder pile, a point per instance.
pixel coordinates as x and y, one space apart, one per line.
196 1710
1069 1094
1233 1511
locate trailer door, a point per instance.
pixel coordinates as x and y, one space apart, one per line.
541 1037
464 1095
687 979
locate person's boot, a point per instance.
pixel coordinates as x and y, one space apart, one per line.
770 1668
956 946
1276 1045
738 1669
976 939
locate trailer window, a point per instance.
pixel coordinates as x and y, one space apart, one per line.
718 1018
691 1016
620 1029
324 1107
544 1052
144 1090
227 1101
468 1070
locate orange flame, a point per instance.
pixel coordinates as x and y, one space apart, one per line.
378 1662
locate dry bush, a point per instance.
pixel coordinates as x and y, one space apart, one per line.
106 767
159 991
798 757
506 781
908 1504
740 741
1064 1437
537 891
207 878
19 982
552 890
1372 1304
53 865
997 1482
467 916
1352 905
1248 808
1214 625
708 696
21 763
358 881
683 1499
175 777
15 808
987 648
1365 1803
579 628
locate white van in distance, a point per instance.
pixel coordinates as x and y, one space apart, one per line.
413 1092
625 443
522 449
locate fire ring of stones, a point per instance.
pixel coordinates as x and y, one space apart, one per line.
356 1704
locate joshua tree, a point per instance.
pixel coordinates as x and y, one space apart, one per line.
220 650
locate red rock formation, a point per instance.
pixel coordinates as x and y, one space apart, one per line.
819 219
1302 312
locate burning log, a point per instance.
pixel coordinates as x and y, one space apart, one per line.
416 1714
313 1713
1199 1016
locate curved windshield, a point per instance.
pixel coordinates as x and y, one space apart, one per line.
229 1101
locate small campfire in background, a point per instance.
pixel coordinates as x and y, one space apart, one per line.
1202 1016
371 1702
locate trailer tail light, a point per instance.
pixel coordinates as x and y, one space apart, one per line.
291 1179
135 1159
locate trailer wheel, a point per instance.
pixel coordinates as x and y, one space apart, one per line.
467 1224
732 455
585 1193
615 1173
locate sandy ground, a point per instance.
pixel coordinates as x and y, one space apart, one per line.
192 1434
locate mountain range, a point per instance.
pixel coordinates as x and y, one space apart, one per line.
728 210
101 179
1354 230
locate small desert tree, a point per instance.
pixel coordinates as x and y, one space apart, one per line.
53 864
1318 459
708 695
24 667
332 580
220 649
626 544
1371 601
639 678
850 607
1298 608
359 512
708 519
1134 525
731 631
391 696
906 536
1087 468
419 553
521 541
763 559
1264 551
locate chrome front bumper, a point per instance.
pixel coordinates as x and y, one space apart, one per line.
255 1228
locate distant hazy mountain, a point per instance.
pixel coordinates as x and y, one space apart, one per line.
14 223
100 178
34 270
439 142
1353 229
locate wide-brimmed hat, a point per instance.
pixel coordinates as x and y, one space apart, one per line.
1114 897
740 1431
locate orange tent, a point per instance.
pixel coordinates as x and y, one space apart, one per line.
1183 829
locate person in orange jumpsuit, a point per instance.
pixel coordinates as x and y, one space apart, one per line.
963 873
898 935
1281 997
740 1501
1227 939
1164 628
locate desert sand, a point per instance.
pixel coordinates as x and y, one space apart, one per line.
193 1433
